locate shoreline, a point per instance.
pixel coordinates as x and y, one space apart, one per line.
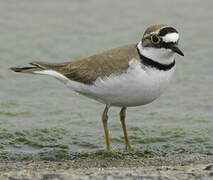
108 167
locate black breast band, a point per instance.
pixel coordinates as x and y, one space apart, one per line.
149 62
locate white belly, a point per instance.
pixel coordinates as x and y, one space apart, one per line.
135 87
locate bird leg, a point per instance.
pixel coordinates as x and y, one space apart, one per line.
122 119
106 131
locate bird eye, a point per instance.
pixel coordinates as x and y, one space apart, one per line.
155 39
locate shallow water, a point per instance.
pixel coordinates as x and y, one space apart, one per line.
39 114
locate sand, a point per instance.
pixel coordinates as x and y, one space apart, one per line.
109 168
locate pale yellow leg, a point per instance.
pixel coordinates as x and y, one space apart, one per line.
106 131
122 119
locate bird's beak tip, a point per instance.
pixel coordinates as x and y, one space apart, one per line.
177 50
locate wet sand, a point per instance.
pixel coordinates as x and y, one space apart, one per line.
130 167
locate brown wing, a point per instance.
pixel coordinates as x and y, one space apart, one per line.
89 69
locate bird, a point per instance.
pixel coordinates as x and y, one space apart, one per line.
127 76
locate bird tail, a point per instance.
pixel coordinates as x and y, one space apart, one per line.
30 69
44 68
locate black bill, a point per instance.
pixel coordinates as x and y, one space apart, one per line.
176 49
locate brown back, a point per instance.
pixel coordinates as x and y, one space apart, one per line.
87 70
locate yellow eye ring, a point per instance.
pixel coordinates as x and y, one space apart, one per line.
155 39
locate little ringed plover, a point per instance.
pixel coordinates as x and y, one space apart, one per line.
126 76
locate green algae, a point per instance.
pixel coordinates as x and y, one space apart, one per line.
136 129
56 140
62 154
7 114
152 140
59 153
117 139
37 138
167 146
1 146
9 104
11 114
85 144
5 135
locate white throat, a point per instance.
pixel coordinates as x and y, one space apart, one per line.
161 55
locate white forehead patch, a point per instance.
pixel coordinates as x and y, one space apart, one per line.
171 37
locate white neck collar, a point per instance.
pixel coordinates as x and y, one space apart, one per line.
161 55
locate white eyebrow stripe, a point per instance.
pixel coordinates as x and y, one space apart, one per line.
171 37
